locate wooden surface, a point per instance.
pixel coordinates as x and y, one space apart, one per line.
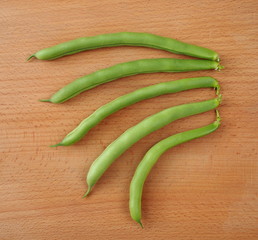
204 189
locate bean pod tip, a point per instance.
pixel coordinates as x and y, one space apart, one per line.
44 100
141 224
87 193
56 145
30 57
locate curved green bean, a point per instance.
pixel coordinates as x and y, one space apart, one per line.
124 38
128 99
152 156
142 129
127 69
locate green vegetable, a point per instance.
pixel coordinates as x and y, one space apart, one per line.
124 38
134 97
142 129
130 68
152 156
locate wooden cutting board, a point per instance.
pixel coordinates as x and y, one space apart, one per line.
204 189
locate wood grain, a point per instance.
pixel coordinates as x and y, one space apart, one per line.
204 189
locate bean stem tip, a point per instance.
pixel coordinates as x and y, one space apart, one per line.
217 88
218 119
219 98
219 67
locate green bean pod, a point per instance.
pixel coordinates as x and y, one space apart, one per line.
152 156
124 39
140 130
127 69
134 97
